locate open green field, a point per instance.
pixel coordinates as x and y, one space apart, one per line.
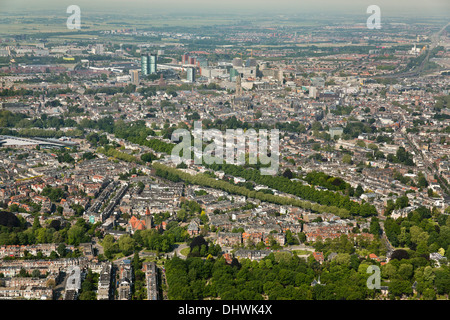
57 24
35 23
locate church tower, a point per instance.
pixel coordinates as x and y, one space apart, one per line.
148 219
238 86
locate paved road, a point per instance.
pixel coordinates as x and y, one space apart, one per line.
177 250
417 71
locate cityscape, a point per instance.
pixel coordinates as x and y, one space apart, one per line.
106 192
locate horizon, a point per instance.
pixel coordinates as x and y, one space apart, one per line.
284 7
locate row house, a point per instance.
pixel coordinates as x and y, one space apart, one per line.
252 237
222 205
19 250
104 283
278 237
5 193
17 198
12 268
220 221
229 239
78 200
293 227
26 207
151 277
364 235
265 228
40 199
16 282
98 178
313 236
38 187
91 189
25 190
327 227
125 280
27 292
251 254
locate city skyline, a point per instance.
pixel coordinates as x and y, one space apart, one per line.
212 151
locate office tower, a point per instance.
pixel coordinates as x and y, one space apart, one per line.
202 63
148 63
145 64
184 58
152 64
134 77
233 74
313 92
191 74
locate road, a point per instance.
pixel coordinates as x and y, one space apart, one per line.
415 73
434 43
177 250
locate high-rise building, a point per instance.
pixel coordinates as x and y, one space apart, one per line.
191 75
153 64
148 63
233 74
145 64
202 62
134 77
184 58
313 92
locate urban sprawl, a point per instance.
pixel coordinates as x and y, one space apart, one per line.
93 208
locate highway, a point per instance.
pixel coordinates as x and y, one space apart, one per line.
418 71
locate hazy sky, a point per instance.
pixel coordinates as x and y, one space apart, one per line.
388 7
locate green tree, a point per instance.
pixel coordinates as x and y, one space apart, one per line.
109 246
126 244
347 159
75 235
